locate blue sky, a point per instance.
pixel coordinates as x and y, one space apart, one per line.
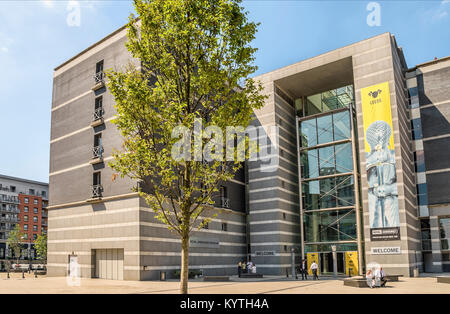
35 37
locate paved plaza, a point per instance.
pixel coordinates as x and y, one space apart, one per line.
276 285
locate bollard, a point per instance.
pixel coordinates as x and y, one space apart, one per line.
23 274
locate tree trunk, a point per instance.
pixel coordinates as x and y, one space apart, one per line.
184 275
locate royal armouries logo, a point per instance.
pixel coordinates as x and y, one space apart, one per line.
375 95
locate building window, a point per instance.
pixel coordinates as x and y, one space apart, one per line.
25 227
35 219
25 209
26 200
35 210
99 67
98 109
97 188
224 226
98 148
426 234
224 201
34 236
25 218
444 230
422 194
12 188
35 228
44 194
35 201
31 191
25 235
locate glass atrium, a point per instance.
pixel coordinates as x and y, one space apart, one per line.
327 174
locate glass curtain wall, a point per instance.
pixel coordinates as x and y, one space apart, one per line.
327 178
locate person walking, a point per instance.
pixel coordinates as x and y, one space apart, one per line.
243 267
304 270
239 269
314 268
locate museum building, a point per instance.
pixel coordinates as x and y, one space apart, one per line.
358 175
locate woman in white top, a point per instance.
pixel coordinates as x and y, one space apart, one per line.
369 277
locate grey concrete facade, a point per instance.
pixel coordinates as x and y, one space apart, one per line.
80 224
263 219
430 115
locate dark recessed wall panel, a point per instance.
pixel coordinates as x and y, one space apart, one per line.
438 185
437 154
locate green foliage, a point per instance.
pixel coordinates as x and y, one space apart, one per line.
14 240
194 55
192 273
40 244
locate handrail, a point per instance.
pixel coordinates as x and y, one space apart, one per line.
97 152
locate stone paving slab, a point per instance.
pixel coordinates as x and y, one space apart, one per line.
273 285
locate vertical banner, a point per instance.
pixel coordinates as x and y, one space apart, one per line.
310 258
380 163
351 263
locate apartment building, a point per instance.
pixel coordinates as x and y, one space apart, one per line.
22 202
344 185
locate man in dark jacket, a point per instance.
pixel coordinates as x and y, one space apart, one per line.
304 270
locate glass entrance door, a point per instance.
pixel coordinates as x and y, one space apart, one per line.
326 263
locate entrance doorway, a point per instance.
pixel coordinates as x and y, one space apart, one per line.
109 264
326 263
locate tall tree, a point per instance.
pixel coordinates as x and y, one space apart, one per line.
195 55
14 240
40 244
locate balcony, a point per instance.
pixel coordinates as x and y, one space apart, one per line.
9 219
98 117
99 80
96 191
224 202
97 155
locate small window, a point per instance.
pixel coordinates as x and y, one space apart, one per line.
26 200
284 216
25 227
35 210
224 226
97 178
99 102
98 140
31 191
25 236
12 188
35 228
223 191
99 67
35 219
25 218
44 194
34 236
25 209
35 201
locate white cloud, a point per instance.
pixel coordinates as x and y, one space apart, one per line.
4 49
48 3
440 12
